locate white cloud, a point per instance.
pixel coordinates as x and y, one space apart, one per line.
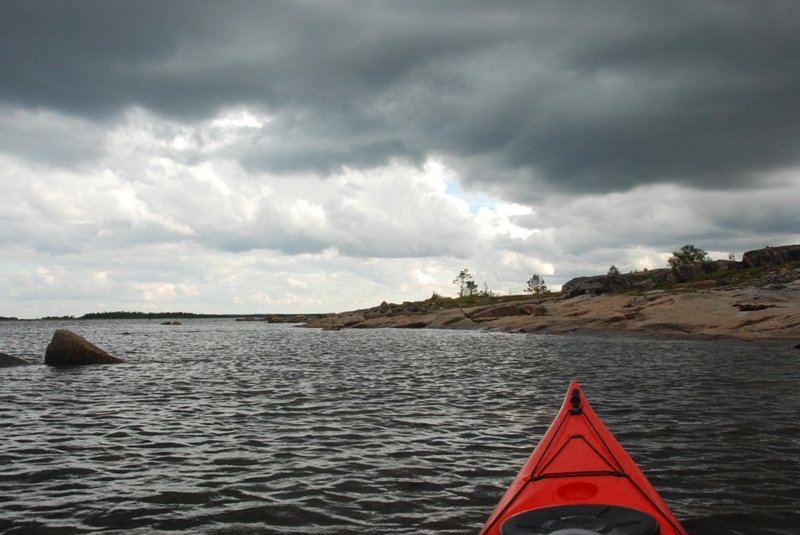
524 264
500 220
44 276
165 292
394 233
241 118
307 215
296 283
138 213
162 216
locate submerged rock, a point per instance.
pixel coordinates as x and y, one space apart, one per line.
69 349
10 360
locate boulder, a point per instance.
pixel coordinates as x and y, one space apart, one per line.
771 256
653 277
409 307
685 272
9 360
726 265
586 285
67 349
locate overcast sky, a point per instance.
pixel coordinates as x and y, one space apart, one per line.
316 156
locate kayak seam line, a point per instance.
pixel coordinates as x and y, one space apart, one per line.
605 445
550 443
589 444
597 473
641 491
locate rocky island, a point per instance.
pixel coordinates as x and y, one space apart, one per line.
755 299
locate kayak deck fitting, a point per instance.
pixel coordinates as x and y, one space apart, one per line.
580 481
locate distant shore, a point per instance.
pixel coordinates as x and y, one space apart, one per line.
121 315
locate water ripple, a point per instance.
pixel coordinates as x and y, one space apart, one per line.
225 427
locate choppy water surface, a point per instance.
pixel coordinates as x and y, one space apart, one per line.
232 427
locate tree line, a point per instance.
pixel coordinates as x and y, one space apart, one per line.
467 287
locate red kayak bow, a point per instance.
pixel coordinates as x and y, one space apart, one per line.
580 481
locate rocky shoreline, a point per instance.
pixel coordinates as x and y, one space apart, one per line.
764 306
747 313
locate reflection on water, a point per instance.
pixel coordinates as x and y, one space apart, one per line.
225 427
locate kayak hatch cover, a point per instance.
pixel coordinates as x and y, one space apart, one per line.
580 481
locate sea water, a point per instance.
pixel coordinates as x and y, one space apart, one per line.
217 426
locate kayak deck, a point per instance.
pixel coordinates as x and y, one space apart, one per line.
577 472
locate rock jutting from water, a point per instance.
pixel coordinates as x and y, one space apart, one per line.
10 360
69 349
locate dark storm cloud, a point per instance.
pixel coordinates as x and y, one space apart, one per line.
580 96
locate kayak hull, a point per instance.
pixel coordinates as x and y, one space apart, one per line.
578 462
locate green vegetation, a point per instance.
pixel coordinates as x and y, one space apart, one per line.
482 298
468 291
615 278
466 283
479 299
688 254
536 285
436 297
486 292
